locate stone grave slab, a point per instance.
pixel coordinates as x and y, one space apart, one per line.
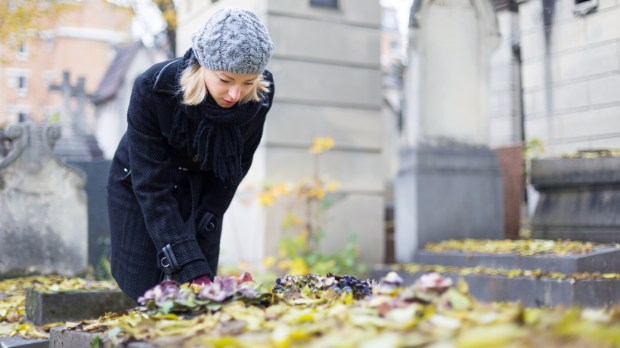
603 260
44 307
531 292
61 338
579 199
18 342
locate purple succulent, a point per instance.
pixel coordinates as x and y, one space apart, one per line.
247 290
219 290
245 277
166 290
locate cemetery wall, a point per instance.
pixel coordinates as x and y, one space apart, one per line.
570 78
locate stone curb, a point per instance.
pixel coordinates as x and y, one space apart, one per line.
531 292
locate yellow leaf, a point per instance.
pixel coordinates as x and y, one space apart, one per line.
266 198
320 145
332 186
299 267
226 342
463 286
280 336
268 261
320 193
284 265
281 189
489 336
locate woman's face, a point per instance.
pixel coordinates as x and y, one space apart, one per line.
228 88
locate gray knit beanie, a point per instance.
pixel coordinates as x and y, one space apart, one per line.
233 40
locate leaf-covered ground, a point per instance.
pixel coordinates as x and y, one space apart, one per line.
594 154
523 247
315 311
510 273
13 301
333 311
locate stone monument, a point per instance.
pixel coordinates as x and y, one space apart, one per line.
79 147
449 185
579 198
43 221
76 143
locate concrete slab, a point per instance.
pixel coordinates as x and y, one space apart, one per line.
18 342
531 292
60 338
43 308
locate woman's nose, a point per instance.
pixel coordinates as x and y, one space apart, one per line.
234 92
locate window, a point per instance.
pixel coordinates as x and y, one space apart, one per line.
22 86
583 7
324 3
22 51
22 117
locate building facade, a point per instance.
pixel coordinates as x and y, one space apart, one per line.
81 42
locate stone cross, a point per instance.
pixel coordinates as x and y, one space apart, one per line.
72 120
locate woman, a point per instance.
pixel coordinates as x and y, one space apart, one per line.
194 124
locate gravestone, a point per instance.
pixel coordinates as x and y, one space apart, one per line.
76 143
43 307
579 199
4 149
449 185
43 221
79 148
98 224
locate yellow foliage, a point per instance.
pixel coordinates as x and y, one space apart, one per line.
299 267
508 246
266 198
332 186
320 145
281 189
269 261
284 264
23 20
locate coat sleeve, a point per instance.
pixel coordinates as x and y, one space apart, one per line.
179 253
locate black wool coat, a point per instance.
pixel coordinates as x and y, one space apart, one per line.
165 212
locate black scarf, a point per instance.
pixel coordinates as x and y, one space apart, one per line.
217 140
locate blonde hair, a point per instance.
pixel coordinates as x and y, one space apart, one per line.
195 91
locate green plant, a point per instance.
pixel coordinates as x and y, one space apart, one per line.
299 251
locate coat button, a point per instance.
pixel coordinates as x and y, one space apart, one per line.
195 158
210 226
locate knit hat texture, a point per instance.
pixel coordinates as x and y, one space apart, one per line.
233 40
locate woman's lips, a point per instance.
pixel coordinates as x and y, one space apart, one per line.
228 103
